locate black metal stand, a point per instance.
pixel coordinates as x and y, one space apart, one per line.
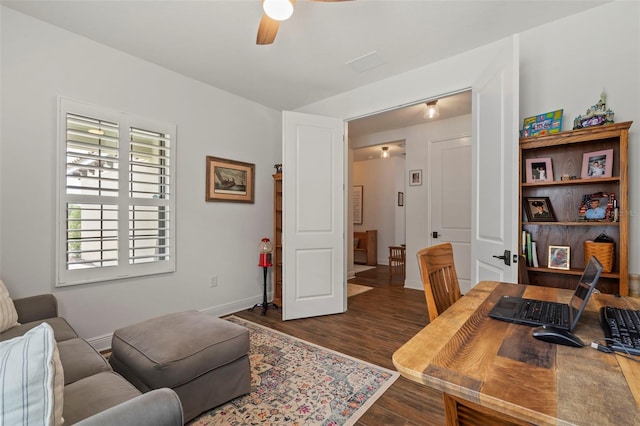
264 303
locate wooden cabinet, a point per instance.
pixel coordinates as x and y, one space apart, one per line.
365 247
277 239
566 152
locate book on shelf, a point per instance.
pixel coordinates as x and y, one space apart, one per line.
534 254
529 249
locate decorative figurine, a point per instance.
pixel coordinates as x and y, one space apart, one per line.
278 168
597 115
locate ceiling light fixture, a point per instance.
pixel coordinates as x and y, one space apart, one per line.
279 10
433 110
385 152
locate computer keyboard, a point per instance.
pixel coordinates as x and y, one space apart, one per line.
546 312
621 329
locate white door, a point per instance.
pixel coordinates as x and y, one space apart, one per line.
450 201
313 281
494 169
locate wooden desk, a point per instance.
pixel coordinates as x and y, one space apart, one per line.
499 367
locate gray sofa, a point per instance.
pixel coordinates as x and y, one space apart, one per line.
93 393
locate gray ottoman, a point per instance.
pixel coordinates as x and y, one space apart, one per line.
204 359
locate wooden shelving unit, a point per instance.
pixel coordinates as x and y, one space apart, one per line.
566 151
277 239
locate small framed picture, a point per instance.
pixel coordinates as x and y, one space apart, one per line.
559 257
357 204
598 207
538 209
415 177
539 170
400 199
597 164
229 180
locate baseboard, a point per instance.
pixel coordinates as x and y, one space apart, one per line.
416 285
103 343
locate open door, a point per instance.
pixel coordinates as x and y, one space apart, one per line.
313 179
495 169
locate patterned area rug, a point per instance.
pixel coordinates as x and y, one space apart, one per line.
354 289
294 382
361 268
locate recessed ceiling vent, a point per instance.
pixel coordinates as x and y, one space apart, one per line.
366 62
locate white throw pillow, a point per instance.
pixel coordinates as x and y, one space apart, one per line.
32 379
8 314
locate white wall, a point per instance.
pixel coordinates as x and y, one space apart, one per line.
564 64
416 227
40 62
380 199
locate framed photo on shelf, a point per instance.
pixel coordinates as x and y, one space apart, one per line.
415 177
539 170
559 257
598 207
229 180
597 164
538 209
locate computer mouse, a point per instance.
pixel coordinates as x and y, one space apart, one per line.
558 336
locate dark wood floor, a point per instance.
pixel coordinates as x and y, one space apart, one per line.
375 325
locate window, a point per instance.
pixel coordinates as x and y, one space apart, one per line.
116 206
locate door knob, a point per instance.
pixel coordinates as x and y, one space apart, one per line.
435 234
506 257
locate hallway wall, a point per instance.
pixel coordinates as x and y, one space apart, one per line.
379 178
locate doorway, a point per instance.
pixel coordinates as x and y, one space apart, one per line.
406 132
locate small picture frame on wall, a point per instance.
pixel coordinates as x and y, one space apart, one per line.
358 204
229 180
559 257
400 199
415 177
539 170
597 164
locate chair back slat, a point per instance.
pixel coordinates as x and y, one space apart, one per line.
439 278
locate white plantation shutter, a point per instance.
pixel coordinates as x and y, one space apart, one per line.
116 196
149 194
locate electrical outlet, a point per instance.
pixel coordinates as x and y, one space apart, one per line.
213 282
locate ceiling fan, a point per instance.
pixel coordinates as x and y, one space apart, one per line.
274 12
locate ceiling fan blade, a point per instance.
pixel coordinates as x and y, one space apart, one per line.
267 30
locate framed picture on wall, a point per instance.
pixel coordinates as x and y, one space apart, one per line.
415 177
229 180
357 204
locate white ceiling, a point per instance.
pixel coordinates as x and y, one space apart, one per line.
450 106
214 41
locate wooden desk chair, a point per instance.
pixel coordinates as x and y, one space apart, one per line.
438 272
396 260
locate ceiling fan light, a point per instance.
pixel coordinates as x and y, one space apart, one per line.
279 10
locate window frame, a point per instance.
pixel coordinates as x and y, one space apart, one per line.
123 201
